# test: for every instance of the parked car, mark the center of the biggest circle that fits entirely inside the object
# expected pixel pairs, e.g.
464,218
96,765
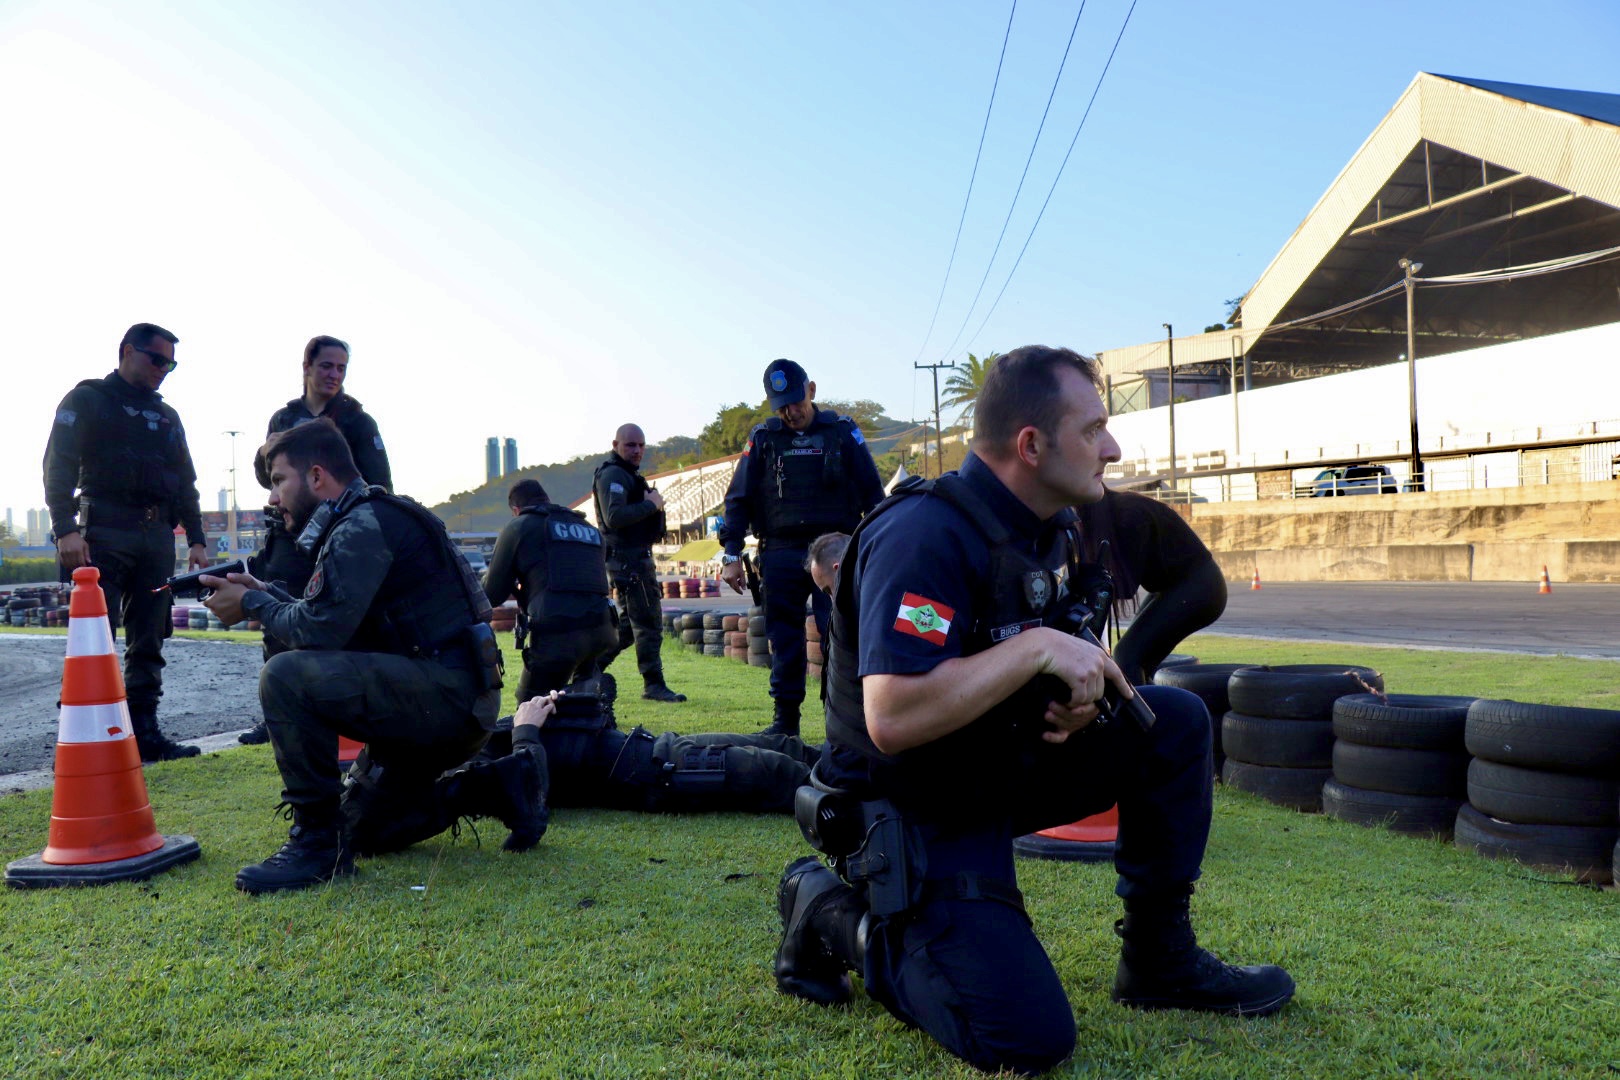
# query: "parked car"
1354,480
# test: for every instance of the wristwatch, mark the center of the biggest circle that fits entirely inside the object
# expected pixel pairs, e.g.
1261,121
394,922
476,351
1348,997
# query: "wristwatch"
727,560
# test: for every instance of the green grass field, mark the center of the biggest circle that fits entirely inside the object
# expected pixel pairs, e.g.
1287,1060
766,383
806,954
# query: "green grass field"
633,945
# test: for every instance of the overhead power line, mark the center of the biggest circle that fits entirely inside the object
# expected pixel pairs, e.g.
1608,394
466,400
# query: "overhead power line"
1019,190
1078,128
971,178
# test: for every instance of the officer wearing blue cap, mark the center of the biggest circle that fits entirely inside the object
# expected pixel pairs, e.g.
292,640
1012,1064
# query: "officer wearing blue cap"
804,472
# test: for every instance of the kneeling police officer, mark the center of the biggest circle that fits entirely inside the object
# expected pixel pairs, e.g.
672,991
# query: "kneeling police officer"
962,712
391,646
553,561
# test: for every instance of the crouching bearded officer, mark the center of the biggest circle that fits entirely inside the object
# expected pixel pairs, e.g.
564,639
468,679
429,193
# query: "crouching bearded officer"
963,712
391,646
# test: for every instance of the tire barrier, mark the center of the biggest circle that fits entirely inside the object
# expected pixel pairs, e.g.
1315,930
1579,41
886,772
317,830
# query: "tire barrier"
1399,761
1208,681
1280,746
1544,786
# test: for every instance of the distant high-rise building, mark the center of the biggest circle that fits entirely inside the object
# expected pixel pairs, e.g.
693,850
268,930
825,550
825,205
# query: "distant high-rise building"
224,500
509,464
11,526
32,538
492,459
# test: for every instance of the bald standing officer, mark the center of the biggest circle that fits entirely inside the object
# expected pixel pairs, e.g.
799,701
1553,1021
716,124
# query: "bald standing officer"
630,513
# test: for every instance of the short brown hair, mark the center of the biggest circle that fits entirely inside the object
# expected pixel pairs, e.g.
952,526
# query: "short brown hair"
314,442
526,492
1021,390
826,549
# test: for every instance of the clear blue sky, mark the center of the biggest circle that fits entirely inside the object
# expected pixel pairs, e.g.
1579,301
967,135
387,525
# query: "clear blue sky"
542,220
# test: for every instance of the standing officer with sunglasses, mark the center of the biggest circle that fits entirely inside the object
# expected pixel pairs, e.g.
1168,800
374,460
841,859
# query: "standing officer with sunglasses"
123,450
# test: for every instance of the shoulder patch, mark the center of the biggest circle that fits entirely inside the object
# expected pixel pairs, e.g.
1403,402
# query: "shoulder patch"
66,417
924,618
615,487
855,433
377,441
316,581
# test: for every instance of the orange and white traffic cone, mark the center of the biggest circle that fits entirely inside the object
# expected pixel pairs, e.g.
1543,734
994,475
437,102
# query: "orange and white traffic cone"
1254,586
1546,582
1090,839
101,820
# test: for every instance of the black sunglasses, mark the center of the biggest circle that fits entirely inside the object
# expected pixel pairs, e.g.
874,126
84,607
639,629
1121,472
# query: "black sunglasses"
157,359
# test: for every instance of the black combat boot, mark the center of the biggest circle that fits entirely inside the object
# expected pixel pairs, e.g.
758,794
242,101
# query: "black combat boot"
655,690
315,853
150,740
824,927
512,789
1162,967
784,719
257,735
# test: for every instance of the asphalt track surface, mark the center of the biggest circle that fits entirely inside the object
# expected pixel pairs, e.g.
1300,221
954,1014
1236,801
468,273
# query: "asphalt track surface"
211,688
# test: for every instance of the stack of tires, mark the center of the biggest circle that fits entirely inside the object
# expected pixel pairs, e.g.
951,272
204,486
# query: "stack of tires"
180,616
815,655
1544,787
671,589
198,618
759,647
1278,734
1208,681
714,634
504,618
1398,760
736,637
18,607
691,627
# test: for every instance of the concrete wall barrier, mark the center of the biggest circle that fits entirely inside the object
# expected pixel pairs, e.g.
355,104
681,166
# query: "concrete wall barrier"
1565,560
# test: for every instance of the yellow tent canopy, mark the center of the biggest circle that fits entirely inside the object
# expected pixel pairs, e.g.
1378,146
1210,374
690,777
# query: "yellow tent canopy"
697,551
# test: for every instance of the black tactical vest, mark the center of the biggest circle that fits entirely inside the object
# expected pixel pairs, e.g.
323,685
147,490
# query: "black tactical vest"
644,533
803,483
131,453
575,556
430,596
1018,594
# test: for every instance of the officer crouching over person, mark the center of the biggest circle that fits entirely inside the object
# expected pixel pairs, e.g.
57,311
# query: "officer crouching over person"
552,560
804,472
962,712
391,646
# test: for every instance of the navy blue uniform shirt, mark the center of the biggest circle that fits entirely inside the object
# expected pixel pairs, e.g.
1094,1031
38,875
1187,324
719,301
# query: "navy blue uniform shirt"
922,578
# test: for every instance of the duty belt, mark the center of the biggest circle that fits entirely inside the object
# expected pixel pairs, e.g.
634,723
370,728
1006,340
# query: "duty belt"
113,513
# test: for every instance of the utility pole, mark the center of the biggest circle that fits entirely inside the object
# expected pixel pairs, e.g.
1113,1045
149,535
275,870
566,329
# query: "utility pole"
939,432
235,537
1410,268
1170,368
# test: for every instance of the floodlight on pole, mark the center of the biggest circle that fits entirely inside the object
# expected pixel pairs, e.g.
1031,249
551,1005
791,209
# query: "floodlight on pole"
1409,269
235,546
1170,369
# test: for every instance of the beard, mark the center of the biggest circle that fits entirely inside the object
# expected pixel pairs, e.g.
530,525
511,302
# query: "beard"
297,508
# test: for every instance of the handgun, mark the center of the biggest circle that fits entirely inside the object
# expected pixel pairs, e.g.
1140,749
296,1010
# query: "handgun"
753,580
190,583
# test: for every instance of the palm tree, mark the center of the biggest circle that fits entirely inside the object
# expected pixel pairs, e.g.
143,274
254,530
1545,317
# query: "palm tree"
962,388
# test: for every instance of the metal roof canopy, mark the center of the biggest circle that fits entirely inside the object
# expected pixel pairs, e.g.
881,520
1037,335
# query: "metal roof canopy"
1462,175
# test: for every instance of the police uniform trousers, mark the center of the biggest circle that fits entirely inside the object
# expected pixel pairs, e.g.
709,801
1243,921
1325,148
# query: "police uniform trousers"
416,717
134,561
673,773
971,972
787,586
560,651
641,616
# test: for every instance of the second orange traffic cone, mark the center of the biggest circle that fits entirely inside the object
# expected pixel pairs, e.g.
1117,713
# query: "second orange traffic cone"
1255,584
101,820
1091,839
1546,582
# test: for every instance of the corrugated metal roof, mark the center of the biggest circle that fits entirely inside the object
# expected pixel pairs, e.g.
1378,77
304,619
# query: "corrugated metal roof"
1587,103
1566,138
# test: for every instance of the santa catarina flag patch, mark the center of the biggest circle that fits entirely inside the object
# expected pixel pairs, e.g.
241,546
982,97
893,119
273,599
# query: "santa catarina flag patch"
924,618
